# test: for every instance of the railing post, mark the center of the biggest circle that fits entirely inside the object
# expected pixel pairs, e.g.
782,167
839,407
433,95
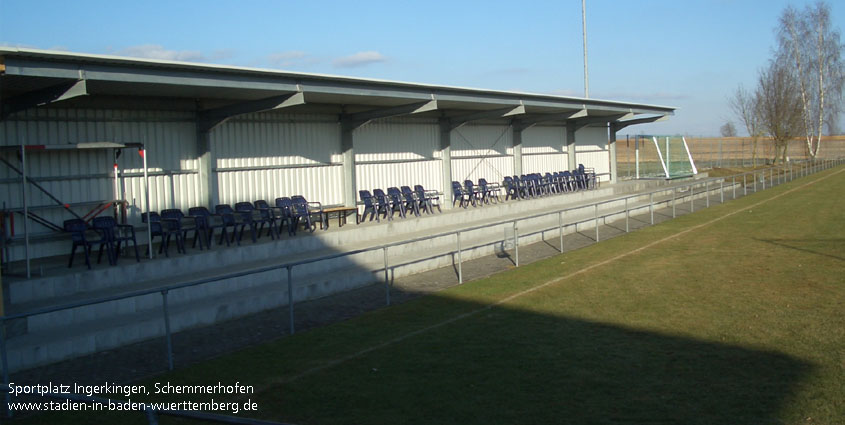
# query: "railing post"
673,202
290,298
167,330
386,277
745,184
596,209
651,206
707,193
516,243
626,216
692,198
460,261
722,191
733,186
560,228
754,177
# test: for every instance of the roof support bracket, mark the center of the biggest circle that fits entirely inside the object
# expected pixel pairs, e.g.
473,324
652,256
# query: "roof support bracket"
210,118
43,97
619,125
604,119
531,120
358,119
484,115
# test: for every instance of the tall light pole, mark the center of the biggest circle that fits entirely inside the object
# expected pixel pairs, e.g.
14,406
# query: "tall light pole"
584,27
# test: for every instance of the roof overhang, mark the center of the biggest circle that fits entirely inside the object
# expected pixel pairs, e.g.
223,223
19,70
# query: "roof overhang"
203,87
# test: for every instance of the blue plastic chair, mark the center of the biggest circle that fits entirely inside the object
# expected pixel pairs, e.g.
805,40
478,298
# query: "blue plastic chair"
411,202
285,206
77,229
171,224
227,215
369,205
382,204
203,218
427,199
307,212
473,192
116,234
459,196
489,193
396,201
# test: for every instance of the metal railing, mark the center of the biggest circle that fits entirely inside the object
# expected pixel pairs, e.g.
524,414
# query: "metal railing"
784,173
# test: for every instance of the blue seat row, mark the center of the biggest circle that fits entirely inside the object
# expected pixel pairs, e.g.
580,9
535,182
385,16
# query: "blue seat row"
536,185
401,200
174,225
475,195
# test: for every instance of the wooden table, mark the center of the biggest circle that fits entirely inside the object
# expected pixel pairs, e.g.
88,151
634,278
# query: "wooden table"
341,212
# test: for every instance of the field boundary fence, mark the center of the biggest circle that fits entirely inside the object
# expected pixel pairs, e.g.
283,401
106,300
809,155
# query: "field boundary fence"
729,152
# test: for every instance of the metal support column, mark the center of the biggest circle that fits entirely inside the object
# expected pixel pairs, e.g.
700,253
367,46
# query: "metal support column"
517,147
24,193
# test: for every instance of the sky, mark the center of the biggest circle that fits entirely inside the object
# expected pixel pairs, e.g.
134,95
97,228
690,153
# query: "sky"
688,54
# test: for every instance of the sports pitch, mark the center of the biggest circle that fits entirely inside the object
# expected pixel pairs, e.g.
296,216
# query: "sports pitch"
731,315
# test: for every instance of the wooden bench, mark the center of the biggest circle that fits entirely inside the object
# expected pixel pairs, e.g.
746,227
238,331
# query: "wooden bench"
342,213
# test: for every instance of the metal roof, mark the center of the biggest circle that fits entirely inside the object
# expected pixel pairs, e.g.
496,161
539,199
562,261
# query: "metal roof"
33,73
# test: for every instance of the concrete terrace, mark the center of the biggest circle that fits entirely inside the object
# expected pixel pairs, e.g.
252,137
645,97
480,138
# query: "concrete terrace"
45,338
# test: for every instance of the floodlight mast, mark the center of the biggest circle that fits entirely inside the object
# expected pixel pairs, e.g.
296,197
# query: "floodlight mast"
584,31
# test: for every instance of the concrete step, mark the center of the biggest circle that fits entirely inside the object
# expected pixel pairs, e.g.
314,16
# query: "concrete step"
50,337
145,319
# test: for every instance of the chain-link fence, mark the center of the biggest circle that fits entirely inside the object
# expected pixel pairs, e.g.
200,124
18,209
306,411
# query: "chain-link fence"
727,152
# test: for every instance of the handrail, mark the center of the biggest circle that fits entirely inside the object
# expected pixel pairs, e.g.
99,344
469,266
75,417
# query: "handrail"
285,265
821,165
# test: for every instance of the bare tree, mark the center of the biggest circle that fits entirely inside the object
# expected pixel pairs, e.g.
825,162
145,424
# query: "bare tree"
744,105
809,42
728,129
778,105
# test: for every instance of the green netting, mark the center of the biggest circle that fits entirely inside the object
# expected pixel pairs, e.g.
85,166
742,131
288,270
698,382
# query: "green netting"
678,162
663,157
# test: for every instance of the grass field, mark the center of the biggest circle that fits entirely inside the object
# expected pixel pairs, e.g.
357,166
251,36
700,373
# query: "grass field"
732,315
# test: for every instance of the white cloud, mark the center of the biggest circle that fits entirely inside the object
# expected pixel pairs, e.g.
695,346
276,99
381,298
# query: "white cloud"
359,59
291,58
155,51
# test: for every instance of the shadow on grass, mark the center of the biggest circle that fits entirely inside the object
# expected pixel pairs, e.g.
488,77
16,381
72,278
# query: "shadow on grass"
803,245
503,365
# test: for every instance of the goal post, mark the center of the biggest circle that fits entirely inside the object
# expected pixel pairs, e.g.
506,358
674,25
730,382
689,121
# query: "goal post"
663,157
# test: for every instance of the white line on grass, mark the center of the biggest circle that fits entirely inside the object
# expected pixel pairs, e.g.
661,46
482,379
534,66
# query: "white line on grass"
454,319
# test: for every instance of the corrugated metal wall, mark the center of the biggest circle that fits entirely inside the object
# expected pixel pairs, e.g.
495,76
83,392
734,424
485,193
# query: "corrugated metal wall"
482,151
591,150
544,149
398,152
269,155
258,156
85,176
